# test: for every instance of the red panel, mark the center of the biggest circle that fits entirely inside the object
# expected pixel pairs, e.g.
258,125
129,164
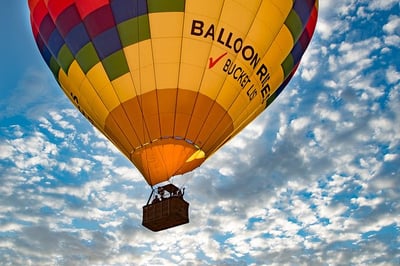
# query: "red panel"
56,7
86,7
39,12
32,4
35,30
312,21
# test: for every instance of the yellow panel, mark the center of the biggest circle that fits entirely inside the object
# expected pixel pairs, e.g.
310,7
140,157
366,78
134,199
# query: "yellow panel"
147,79
123,87
233,10
194,58
167,75
190,77
281,46
227,95
139,55
98,79
284,6
167,50
75,73
251,6
92,104
166,24
210,7
140,61
108,96
166,32
63,79
145,53
132,58
211,84
238,106
266,26
98,76
166,61
195,52
215,77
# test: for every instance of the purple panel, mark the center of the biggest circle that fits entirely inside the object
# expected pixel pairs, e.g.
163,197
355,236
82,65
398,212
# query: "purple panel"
46,27
99,21
67,20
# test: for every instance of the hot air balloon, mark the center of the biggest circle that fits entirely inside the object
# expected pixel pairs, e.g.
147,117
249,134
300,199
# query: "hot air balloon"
171,81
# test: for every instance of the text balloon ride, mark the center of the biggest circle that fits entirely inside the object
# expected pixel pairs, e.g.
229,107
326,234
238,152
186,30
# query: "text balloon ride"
170,81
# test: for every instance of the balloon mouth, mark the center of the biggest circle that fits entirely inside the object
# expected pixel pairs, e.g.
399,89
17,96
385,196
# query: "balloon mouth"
177,138
163,158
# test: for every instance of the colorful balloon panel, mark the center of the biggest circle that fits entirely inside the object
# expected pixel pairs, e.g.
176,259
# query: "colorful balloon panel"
170,81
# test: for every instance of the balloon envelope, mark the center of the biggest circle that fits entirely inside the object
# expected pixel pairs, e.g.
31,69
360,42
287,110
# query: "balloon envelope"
170,81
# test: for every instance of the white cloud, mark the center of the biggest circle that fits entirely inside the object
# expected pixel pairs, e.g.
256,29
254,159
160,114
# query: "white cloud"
393,25
300,123
392,75
382,5
6,151
390,157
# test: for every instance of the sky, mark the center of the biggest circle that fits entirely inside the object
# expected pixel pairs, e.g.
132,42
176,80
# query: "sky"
314,180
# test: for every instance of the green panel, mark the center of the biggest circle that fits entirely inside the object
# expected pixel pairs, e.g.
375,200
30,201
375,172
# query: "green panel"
294,24
134,30
54,66
65,58
115,65
287,65
166,6
87,57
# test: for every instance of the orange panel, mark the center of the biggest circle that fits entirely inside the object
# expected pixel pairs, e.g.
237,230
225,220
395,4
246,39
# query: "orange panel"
184,108
166,103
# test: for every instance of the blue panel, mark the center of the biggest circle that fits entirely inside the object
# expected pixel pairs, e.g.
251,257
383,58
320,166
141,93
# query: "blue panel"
77,38
297,53
303,9
127,9
107,43
46,54
55,43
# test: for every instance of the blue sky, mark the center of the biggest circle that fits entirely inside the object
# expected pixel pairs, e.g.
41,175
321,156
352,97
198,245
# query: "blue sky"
313,181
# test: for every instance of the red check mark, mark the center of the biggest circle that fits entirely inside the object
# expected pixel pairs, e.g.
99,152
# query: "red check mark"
214,62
